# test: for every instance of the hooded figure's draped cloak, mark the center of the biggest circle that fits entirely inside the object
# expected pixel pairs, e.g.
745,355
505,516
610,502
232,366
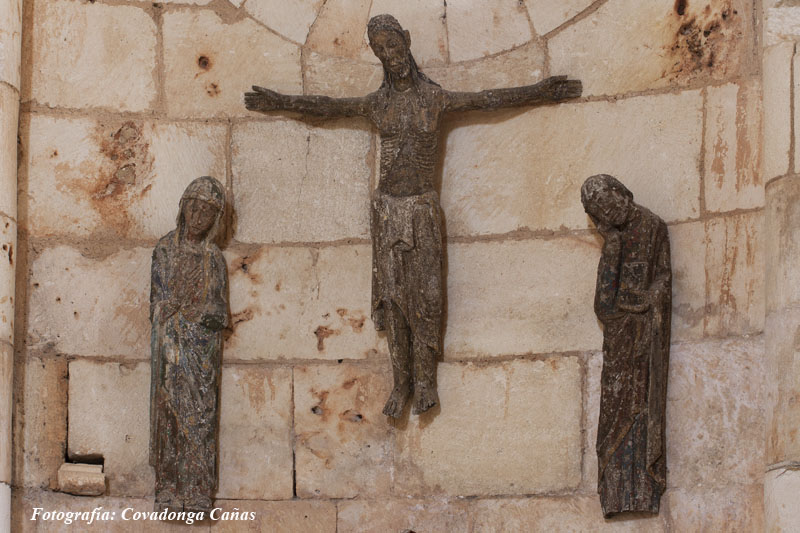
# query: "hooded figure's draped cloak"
630,439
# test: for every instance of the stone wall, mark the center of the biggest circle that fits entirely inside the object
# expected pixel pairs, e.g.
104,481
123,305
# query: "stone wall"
10,46
125,102
780,61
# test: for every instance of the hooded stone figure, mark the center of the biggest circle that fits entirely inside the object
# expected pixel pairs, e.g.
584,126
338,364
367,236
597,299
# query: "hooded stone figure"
188,310
633,302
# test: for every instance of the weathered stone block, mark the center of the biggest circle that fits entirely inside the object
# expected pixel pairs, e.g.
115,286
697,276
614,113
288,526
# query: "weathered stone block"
210,64
290,19
81,479
425,21
781,488
5,503
402,515
510,428
781,24
279,517
795,90
591,408
341,29
114,178
301,303
255,445
521,66
480,28
524,170
634,45
733,149
93,55
782,332
109,417
343,441
777,80
10,42
8,266
735,275
6,382
782,244
547,16
255,415
727,510
516,297
9,115
570,513
715,414
42,440
688,250
320,171
340,77
90,306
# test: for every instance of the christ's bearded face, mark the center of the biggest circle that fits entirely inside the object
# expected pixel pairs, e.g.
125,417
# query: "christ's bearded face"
393,51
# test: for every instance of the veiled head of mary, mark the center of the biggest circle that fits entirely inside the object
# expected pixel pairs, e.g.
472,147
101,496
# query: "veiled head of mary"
201,209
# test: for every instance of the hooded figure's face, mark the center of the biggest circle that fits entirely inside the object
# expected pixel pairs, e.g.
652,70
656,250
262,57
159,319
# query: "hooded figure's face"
392,49
610,207
199,217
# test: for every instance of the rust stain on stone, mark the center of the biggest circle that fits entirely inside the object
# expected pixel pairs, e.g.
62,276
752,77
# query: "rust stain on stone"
212,90
352,416
319,454
356,322
718,163
253,385
748,154
727,298
241,316
705,42
322,333
320,408
125,162
244,265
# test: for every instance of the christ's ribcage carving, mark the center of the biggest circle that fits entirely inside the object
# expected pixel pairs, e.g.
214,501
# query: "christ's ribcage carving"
408,160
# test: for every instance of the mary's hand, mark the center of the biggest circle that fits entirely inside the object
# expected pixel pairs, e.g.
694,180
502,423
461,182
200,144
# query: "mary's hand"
212,321
261,99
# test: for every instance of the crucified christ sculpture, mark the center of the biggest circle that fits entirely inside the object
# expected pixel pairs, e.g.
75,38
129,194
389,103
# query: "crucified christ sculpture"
406,223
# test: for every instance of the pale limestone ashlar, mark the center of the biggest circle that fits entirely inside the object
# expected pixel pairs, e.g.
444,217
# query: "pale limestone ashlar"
81,479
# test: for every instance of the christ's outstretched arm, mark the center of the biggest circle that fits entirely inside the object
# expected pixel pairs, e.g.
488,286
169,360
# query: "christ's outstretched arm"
554,89
265,100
